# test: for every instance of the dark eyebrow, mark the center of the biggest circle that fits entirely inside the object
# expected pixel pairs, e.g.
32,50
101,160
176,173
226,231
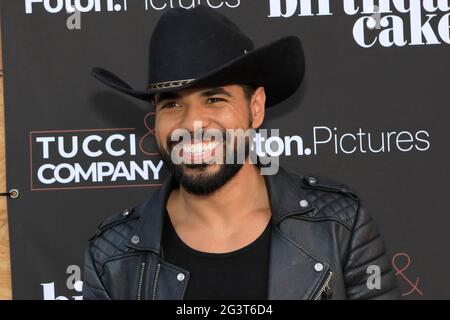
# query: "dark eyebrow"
206,93
216,90
166,96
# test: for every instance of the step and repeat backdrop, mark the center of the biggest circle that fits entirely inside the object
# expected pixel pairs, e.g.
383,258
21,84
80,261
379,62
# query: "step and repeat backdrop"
373,113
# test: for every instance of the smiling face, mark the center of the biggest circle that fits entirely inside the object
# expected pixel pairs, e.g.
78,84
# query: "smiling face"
194,110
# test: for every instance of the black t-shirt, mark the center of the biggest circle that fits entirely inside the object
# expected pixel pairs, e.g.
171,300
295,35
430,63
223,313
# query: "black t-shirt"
239,274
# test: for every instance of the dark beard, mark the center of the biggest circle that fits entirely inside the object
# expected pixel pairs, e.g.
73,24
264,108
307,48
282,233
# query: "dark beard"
202,183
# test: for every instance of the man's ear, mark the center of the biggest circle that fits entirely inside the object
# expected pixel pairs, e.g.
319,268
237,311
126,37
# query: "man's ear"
258,107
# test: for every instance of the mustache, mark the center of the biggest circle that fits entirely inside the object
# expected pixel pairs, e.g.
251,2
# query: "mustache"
234,146
171,142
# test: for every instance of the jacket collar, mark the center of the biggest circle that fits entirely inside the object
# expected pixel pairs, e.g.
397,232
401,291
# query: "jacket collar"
285,195
294,273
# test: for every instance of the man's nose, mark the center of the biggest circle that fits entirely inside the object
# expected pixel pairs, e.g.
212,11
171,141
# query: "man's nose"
195,118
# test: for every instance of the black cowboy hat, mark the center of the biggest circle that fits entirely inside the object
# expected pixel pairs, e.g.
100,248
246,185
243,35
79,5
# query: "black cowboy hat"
201,47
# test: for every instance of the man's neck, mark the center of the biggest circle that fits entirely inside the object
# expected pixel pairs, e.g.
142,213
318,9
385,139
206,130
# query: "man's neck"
243,196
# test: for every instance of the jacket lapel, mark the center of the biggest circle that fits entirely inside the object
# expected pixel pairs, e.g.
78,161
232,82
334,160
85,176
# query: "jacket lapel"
292,273
292,270
170,282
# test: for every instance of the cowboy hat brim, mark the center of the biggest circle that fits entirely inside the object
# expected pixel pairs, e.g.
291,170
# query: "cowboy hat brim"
278,66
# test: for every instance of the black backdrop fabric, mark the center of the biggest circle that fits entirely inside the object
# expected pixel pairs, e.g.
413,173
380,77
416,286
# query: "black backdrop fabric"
373,113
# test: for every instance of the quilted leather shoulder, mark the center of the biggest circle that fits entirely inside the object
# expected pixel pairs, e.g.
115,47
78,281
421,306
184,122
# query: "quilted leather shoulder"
332,200
112,236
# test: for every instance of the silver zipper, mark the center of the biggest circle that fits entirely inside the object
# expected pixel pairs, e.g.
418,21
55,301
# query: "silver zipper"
324,287
141,280
155,283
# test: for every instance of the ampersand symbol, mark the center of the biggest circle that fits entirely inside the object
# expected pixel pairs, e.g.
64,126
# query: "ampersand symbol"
400,270
150,135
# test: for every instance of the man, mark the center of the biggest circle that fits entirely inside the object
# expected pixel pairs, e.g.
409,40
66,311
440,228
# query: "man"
221,230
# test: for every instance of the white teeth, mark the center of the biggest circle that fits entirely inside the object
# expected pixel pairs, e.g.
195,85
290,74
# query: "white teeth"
199,148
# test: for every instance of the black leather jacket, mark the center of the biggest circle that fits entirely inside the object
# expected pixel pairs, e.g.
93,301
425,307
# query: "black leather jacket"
322,244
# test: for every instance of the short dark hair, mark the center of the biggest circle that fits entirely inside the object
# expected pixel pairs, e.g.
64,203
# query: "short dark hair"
249,90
